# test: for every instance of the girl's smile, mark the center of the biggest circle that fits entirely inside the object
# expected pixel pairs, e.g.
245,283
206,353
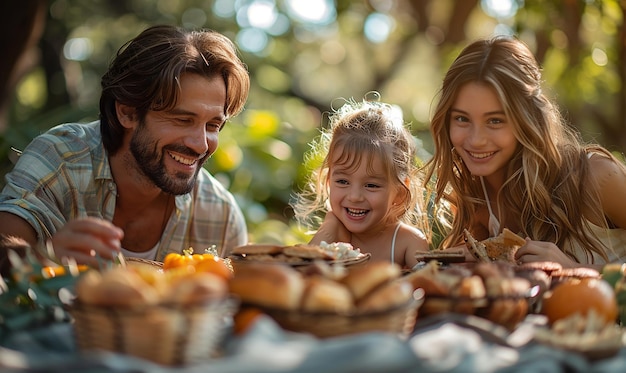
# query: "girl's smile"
361,195
356,213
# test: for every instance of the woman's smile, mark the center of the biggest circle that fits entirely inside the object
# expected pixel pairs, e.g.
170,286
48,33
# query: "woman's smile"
481,155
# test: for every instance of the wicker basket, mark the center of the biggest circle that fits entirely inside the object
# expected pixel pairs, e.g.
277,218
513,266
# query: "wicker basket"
507,311
398,320
139,261
165,334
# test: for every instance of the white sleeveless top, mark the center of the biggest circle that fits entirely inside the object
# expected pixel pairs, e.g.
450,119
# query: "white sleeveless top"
494,223
393,244
613,239
149,255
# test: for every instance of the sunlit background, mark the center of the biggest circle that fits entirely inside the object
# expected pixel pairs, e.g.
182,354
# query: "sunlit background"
305,56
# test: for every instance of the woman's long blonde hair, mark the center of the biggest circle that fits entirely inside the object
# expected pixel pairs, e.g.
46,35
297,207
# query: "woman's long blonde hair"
547,185
362,131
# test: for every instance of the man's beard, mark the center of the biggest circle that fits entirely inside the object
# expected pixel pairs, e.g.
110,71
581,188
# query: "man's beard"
151,163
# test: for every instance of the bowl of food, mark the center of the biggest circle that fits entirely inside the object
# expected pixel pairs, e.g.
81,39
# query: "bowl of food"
169,317
330,301
490,290
300,255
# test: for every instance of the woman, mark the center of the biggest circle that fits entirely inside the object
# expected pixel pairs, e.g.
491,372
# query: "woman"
505,158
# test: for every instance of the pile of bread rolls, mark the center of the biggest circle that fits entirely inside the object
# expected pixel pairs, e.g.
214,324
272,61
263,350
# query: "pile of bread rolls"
135,286
362,289
172,317
488,289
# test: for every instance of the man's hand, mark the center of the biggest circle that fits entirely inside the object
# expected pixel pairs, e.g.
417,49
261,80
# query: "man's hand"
87,239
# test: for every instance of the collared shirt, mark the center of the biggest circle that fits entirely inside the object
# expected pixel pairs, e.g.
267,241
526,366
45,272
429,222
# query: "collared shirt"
64,174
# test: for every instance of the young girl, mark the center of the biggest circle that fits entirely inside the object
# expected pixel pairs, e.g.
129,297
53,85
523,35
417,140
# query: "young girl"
366,187
504,157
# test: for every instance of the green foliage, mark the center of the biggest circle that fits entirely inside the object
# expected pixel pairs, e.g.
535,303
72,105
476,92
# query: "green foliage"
304,67
28,299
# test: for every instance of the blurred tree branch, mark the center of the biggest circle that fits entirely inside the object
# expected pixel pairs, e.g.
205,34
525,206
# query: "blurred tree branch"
20,30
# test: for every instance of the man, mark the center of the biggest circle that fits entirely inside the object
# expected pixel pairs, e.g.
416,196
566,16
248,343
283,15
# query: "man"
133,181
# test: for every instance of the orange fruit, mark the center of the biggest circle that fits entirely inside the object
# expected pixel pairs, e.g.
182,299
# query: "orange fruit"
581,296
204,256
216,266
244,318
54,271
176,260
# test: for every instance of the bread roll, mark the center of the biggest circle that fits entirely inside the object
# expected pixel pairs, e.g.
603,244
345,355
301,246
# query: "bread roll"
444,282
463,296
325,295
152,275
430,285
493,269
270,285
363,279
119,286
88,281
508,304
390,295
322,268
454,289
196,288
435,291
564,274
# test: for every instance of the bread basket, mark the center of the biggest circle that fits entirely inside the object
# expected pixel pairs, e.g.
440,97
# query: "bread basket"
139,261
504,310
165,334
398,320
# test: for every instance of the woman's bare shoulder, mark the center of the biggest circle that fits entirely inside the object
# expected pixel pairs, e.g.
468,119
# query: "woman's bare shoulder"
610,177
608,172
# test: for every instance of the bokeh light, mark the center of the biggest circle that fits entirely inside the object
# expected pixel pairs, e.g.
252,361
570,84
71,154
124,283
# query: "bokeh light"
224,8
599,57
377,27
318,12
194,18
252,40
262,14
78,49
501,8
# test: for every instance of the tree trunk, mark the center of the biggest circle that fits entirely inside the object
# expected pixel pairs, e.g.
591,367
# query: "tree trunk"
21,26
